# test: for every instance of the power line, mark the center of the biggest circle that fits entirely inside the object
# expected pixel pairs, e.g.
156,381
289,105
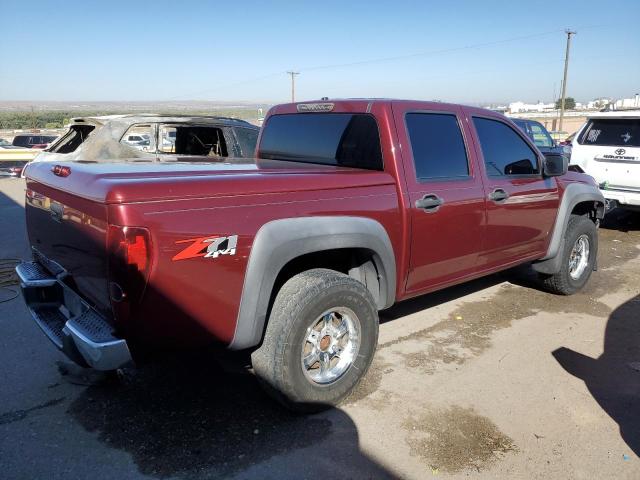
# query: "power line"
379,60
431,52
229,85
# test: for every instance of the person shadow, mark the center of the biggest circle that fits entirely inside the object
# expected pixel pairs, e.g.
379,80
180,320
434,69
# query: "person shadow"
614,378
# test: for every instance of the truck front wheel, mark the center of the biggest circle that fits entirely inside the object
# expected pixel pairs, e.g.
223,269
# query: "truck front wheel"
319,342
578,257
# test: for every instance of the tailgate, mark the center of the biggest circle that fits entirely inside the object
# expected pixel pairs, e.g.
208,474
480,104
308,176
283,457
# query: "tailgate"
70,232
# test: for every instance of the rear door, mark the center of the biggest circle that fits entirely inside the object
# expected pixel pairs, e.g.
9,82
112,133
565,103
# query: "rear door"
521,204
446,195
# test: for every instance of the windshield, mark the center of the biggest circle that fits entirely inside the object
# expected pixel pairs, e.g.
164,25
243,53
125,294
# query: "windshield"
614,132
344,139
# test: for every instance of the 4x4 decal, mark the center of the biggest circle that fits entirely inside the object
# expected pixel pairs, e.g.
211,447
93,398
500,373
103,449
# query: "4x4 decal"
208,247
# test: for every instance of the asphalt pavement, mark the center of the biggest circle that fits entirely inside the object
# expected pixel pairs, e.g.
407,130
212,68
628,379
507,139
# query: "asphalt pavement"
491,379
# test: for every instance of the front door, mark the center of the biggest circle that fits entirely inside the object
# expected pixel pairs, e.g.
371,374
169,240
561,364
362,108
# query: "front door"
446,195
521,203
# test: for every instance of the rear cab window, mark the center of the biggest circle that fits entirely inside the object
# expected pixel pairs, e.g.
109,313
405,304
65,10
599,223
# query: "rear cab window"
504,151
437,145
22,141
612,132
341,139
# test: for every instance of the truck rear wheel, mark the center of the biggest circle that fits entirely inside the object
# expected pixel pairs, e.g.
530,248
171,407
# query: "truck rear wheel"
320,340
578,257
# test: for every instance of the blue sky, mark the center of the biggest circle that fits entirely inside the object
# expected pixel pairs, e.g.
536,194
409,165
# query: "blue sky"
165,50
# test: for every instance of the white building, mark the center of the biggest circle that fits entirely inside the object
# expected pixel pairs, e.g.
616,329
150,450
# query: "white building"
633,102
518,107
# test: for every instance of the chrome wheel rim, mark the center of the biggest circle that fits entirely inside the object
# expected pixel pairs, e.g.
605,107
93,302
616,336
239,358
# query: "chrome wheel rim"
330,345
579,257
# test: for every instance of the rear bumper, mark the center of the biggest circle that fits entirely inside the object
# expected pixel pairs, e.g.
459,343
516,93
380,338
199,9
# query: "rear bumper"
69,322
624,198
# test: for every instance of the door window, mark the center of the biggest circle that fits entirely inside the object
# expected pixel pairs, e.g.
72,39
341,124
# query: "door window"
247,139
541,137
195,140
505,152
140,137
437,146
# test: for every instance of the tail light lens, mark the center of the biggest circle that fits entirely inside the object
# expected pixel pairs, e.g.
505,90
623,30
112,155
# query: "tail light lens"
61,171
129,251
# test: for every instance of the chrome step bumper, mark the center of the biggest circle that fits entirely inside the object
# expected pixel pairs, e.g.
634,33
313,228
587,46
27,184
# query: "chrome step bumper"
69,322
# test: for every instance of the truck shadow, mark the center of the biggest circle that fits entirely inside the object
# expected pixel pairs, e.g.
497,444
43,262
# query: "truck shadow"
621,220
192,415
424,302
197,414
614,378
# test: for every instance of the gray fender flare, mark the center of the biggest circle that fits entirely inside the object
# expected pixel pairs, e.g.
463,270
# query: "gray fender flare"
280,241
574,194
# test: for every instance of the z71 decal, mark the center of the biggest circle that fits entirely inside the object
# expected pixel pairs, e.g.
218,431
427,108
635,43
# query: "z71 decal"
208,247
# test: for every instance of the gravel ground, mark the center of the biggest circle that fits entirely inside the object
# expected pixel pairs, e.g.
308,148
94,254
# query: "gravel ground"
491,379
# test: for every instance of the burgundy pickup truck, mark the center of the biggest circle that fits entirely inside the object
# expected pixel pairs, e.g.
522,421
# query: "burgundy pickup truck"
349,207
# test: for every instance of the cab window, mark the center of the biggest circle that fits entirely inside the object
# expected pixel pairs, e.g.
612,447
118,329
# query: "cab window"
437,146
505,153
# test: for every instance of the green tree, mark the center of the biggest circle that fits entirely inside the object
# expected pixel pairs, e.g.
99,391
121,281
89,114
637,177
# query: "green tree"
569,103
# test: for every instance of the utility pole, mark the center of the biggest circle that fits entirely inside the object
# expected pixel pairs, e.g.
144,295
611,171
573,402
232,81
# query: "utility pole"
564,78
293,85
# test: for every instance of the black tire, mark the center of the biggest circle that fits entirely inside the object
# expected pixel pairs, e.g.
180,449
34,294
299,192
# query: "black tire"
299,303
562,282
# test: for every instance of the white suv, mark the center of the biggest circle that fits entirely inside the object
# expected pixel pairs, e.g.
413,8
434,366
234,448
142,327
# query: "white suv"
607,147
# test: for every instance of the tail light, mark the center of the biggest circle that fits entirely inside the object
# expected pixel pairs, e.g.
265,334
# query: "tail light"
61,171
129,251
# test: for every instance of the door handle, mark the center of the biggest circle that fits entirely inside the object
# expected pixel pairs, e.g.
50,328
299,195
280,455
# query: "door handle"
429,203
498,195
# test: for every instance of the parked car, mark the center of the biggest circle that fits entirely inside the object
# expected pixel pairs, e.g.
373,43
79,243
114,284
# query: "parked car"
33,140
136,136
539,135
141,142
607,147
349,207
13,158
566,144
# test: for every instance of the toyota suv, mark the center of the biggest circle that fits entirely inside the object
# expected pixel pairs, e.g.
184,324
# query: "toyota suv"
607,147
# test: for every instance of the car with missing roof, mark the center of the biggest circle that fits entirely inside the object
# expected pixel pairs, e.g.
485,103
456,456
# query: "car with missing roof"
607,147
349,207
143,136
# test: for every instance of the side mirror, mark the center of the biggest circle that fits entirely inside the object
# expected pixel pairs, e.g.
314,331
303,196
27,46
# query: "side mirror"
555,164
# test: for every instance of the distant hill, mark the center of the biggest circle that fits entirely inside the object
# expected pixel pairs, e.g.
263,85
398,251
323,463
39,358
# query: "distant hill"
30,115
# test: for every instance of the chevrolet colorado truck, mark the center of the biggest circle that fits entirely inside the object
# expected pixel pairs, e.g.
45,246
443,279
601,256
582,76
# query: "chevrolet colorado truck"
348,207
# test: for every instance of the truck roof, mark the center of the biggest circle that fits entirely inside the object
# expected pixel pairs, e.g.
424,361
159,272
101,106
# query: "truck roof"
616,114
156,117
367,104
